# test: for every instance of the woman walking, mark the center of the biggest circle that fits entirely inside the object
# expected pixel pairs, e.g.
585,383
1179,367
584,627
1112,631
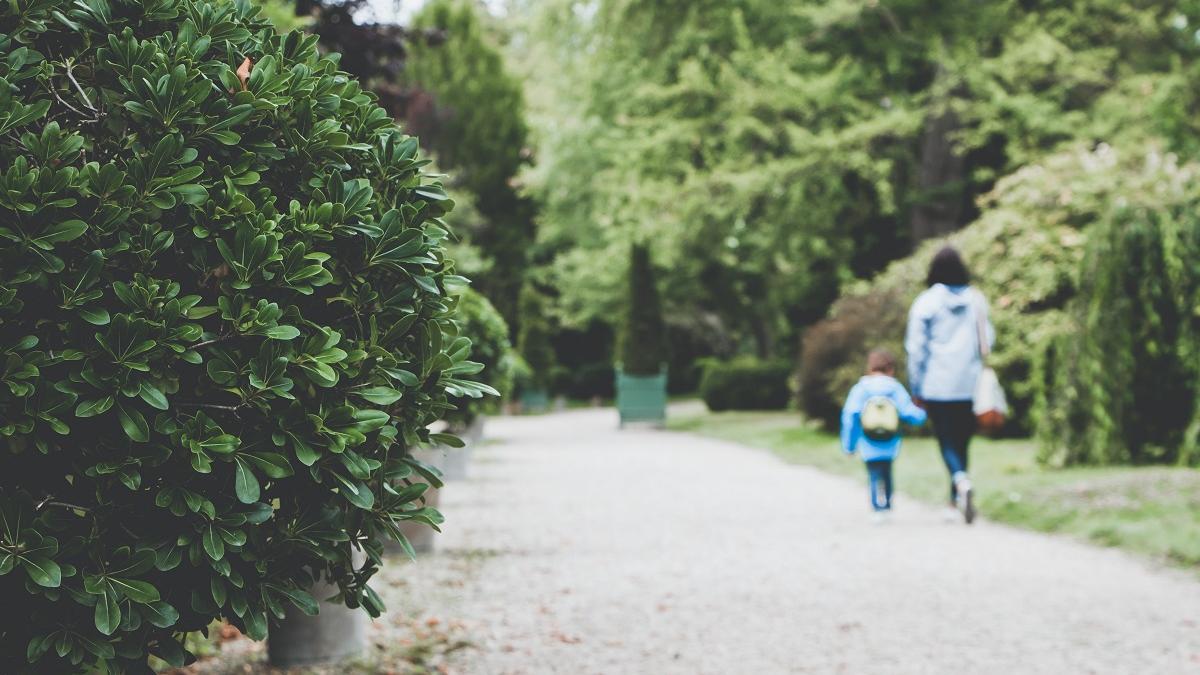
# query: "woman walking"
944,363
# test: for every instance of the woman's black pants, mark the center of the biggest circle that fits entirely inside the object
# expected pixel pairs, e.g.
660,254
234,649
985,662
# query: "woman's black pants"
953,424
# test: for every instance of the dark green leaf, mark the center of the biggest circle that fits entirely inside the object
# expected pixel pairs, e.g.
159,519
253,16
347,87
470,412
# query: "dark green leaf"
97,316
214,546
108,613
448,440
380,395
133,423
160,614
93,407
135,590
283,332
42,571
245,485
153,396
272,464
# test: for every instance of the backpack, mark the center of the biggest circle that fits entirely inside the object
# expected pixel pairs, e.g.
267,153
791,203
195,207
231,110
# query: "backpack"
880,419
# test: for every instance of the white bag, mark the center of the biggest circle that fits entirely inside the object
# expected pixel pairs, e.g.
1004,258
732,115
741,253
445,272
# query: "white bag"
989,395
990,404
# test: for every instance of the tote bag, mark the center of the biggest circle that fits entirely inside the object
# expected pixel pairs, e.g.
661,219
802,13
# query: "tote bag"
990,406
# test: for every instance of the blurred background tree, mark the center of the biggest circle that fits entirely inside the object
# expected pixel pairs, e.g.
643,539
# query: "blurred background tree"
469,111
790,167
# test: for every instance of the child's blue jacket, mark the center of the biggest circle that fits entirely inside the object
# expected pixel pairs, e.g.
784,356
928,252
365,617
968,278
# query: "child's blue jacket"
870,386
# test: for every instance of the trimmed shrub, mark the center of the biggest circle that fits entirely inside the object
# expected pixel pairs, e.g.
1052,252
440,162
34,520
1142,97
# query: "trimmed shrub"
745,384
479,322
533,342
643,340
224,324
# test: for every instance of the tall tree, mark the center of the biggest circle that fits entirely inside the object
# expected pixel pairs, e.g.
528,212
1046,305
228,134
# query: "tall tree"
469,110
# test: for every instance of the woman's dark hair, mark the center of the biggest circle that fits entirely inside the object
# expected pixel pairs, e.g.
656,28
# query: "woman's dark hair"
948,268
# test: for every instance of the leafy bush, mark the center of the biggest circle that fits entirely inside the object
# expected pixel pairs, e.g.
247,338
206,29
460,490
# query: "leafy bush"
479,321
224,323
643,338
1122,386
745,384
834,352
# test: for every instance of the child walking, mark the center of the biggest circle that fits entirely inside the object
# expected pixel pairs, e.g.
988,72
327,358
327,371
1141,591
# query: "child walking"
871,419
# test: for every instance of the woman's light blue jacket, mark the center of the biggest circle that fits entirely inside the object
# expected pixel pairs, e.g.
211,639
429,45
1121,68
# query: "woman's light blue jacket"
942,342
868,387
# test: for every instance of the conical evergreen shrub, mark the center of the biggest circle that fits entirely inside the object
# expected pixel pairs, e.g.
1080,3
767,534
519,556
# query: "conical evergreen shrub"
533,340
643,346
223,323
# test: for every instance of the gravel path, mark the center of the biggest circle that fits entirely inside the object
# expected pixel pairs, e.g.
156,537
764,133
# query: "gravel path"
576,548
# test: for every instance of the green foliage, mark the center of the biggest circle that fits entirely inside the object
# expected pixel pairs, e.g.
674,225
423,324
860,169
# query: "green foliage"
533,342
1027,254
774,152
643,340
1024,253
479,321
470,111
745,384
1122,386
224,323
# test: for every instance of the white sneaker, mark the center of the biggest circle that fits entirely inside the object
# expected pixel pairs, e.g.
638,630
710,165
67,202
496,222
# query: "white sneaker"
966,498
951,515
881,517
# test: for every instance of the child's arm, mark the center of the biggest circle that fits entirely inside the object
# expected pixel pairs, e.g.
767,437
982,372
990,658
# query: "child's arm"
851,424
910,413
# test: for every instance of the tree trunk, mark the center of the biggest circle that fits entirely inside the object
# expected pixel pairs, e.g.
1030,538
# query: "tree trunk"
763,338
940,178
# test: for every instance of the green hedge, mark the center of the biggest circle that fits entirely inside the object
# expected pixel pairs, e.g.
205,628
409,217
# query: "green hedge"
745,384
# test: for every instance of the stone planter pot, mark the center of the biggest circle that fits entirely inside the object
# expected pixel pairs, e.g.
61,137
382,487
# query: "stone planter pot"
335,634
642,399
456,462
534,401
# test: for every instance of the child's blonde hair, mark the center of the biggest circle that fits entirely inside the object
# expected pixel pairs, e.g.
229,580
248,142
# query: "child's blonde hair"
881,361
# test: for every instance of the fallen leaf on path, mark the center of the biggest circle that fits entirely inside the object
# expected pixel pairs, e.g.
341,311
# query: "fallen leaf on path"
568,639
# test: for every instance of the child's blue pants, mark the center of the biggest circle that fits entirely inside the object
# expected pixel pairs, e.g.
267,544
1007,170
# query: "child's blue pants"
879,474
